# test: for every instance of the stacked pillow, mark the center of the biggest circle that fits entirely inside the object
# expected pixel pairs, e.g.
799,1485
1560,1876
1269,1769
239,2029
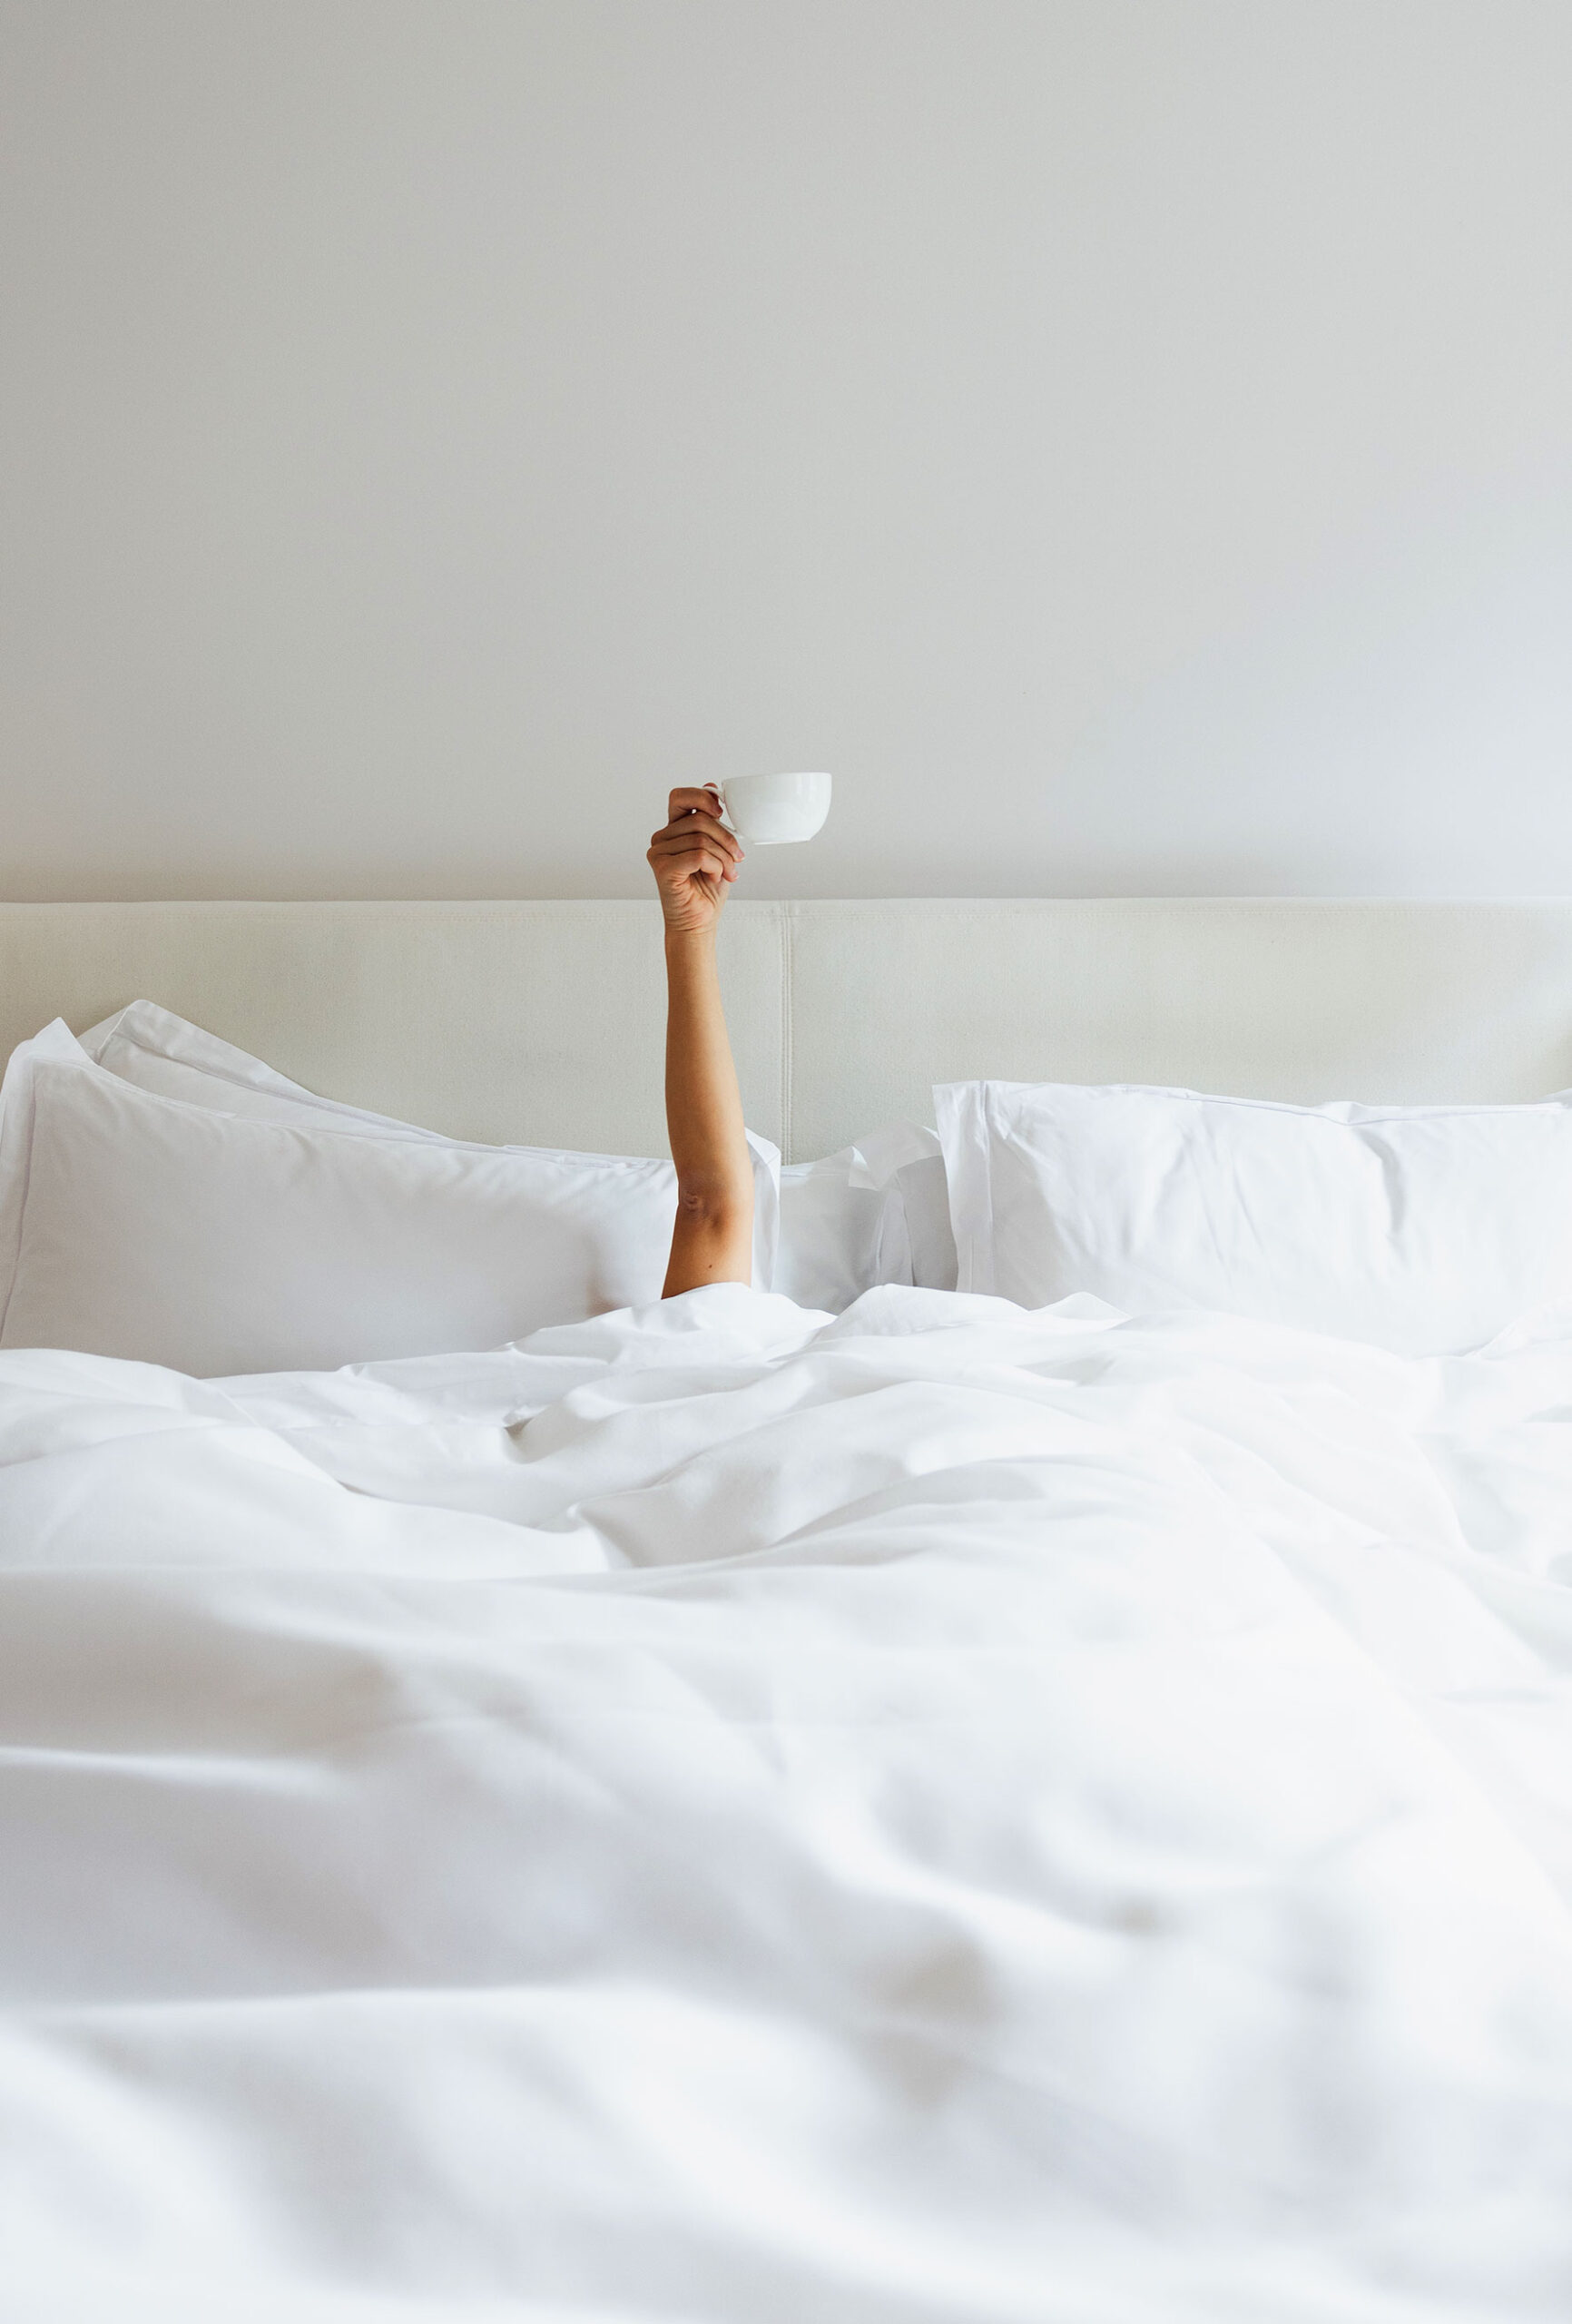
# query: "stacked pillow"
166,1196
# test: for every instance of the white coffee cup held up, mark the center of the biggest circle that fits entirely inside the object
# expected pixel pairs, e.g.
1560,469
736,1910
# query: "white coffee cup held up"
773,809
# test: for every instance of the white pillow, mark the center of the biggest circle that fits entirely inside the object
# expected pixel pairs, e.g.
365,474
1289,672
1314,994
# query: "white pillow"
144,1226
876,1212
1422,1228
160,1051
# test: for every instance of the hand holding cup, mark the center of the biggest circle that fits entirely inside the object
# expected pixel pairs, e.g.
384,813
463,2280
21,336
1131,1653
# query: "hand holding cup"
694,859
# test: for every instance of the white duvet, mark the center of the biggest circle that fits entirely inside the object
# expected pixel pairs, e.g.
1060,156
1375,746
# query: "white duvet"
717,1816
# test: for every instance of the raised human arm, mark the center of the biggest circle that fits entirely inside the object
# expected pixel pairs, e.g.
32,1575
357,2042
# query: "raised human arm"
694,859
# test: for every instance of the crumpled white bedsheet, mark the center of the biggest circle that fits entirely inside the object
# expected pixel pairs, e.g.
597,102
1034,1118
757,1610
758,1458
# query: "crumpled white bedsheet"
715,1816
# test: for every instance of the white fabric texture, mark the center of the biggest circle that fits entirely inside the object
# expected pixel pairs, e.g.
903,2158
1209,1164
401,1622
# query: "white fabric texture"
147,1227
1424,1229
875,1213
160,1051
948,1816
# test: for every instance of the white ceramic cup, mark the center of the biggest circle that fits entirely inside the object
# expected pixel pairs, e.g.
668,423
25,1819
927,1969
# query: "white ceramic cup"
770,810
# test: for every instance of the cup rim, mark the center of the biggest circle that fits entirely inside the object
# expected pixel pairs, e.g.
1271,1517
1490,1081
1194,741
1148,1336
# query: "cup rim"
800,775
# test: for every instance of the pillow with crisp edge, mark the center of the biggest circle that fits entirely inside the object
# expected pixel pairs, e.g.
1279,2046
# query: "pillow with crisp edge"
900,1161
960,1108
62,1052
159,1032
896,1161
57,1044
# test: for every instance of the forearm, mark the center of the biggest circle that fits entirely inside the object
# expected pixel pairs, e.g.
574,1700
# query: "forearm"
713,1238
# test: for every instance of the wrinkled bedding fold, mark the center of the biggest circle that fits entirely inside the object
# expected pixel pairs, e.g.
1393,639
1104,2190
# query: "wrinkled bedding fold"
718,1815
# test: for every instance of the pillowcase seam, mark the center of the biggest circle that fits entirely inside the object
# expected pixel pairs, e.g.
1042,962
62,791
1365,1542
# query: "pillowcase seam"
1557,1101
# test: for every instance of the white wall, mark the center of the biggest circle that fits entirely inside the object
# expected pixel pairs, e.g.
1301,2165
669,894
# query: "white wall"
1129,441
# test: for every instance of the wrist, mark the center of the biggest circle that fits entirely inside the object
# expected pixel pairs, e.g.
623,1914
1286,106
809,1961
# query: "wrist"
689,943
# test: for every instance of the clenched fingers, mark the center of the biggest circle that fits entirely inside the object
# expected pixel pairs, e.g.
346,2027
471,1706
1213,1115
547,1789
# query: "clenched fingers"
690,857
683,801
696,824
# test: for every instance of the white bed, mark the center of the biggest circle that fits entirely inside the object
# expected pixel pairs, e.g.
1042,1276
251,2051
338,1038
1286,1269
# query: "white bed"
947,1814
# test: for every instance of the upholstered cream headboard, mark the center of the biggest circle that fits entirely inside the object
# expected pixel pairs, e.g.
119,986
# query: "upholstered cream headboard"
542,1022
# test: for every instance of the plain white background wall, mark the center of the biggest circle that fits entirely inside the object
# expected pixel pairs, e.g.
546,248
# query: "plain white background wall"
1129,441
